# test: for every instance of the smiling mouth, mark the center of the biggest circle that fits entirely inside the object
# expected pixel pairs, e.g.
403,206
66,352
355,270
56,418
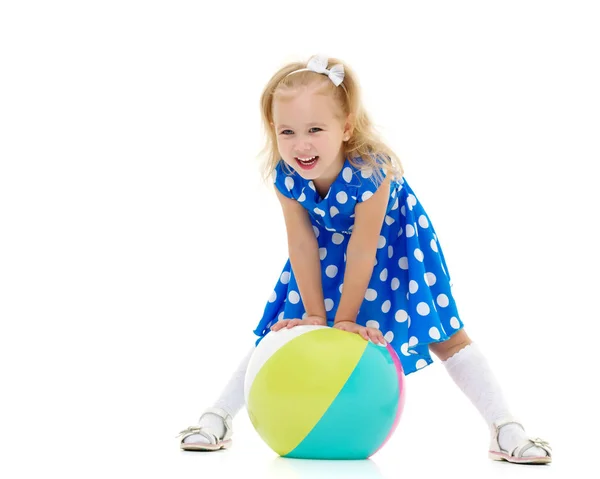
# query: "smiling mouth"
307,162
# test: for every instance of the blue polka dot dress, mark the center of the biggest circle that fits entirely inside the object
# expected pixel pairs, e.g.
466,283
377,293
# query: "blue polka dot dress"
409,295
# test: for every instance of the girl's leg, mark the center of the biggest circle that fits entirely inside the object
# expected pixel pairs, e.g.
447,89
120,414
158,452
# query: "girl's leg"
231,401
469,369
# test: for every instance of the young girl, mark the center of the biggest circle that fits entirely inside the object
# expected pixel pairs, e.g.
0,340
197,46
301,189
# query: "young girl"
363,254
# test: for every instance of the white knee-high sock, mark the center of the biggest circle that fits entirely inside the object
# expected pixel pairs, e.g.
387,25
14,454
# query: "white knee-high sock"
472,374
231,400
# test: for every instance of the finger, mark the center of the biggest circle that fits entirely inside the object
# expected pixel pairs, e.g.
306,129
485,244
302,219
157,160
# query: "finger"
364,333
293,322
376,336
279,324
372,335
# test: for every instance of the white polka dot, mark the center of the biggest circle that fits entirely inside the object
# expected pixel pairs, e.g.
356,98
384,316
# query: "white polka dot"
328,304
370,295
331,270
366,172
421,363
423,223
285,277
403,210
347,174
390,251
411,200
294,297
433,245
337,238
273,297
341,287
304,315
381,242
395,284
454,322
416,229
434,333
423,308
413,286
341,197
395,204
418,254
389,220
383,275
316,230
401,316
289,182
430,279
400,231
372,324
413,341
442,300
403,262
389,336
274,175
404,349
319,211
385,307
333,211
410,231
311,185
322,253
366,195
302,197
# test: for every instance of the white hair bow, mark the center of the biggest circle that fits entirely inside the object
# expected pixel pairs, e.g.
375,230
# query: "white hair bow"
318,64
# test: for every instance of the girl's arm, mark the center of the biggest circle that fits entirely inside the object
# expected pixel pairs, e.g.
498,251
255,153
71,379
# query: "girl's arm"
361,251
304,256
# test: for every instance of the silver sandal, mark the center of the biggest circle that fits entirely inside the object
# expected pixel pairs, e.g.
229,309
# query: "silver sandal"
215,443
496,453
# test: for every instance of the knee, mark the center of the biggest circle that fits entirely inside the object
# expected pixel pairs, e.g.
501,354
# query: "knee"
445,349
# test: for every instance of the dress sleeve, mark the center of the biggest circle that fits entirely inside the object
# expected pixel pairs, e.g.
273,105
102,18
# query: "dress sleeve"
369,183
287,183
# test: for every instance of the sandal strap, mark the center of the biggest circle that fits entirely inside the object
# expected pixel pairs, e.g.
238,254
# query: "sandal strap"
532,442
203,431
496,426
227,420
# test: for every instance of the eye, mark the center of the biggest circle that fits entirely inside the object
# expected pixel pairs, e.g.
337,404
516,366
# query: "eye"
316,128
284,132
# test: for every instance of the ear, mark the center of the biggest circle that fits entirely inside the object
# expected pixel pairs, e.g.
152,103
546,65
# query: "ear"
348,127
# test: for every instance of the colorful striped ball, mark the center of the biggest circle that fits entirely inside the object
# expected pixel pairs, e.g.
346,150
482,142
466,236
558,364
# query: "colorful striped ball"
316,392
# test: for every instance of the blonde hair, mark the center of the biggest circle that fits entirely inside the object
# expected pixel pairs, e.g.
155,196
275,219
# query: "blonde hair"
364,149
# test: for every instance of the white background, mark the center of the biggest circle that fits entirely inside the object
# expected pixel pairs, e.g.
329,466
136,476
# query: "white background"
138,245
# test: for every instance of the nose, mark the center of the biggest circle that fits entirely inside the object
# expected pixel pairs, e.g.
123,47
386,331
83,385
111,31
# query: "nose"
303,146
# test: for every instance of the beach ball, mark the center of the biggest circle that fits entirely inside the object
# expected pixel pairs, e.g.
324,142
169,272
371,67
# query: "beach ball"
315,392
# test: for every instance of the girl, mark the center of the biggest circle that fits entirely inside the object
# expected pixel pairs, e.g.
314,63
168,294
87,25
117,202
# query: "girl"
363,254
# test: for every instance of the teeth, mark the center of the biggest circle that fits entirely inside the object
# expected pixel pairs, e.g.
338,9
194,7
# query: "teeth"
307,159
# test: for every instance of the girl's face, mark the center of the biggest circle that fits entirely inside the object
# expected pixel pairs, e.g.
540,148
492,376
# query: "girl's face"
309,135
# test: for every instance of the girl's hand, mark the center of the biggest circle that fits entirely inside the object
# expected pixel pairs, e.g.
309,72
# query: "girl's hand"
367,333
290,323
